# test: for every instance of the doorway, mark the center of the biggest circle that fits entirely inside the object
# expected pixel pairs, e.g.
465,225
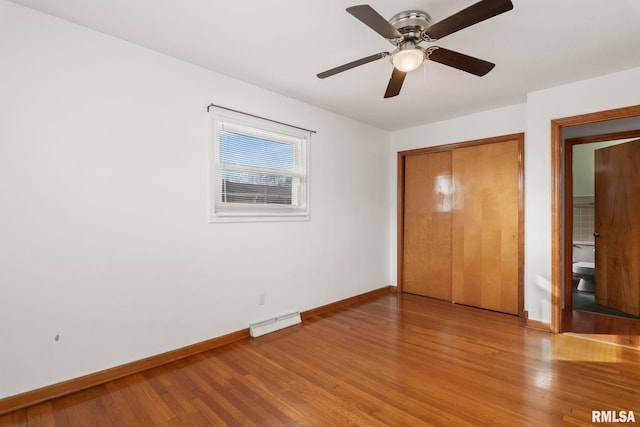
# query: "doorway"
580,219
581,129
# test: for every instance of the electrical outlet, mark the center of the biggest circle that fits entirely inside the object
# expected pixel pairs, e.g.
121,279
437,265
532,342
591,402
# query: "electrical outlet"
261,298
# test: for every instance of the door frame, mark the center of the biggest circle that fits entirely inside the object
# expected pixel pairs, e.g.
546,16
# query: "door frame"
449,147
559,240
569,143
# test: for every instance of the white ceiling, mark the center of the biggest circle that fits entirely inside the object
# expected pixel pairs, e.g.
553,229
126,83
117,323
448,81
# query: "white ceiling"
281,45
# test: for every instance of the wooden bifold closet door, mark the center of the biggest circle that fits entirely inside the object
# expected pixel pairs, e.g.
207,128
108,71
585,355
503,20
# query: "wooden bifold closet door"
427,225
485,226
461,225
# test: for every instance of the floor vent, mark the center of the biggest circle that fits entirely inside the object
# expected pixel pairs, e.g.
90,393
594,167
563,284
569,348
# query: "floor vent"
280,322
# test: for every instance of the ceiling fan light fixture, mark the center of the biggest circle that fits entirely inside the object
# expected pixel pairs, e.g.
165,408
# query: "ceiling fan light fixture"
407,59
407,30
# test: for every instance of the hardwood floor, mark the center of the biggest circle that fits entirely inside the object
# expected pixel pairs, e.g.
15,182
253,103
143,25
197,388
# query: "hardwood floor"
392,360
602,327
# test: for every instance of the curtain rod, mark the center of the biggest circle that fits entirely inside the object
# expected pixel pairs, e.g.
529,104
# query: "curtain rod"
258,117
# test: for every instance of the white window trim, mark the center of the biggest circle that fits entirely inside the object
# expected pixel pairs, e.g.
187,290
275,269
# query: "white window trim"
239,212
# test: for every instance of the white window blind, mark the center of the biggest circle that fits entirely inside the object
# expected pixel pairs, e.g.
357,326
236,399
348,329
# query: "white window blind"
259,169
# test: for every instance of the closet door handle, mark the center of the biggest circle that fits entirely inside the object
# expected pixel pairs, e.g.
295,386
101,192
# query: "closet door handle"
596,234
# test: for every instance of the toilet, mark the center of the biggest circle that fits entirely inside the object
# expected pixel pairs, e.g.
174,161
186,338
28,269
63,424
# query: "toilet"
583,267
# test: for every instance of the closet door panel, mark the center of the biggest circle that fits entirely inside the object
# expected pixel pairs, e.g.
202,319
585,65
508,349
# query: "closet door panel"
485,226
427,225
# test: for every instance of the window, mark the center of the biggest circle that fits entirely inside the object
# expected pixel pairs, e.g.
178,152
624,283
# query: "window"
259,169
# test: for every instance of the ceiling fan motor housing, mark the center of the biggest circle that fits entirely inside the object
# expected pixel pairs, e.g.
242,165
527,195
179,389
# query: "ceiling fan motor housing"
411,24
406,30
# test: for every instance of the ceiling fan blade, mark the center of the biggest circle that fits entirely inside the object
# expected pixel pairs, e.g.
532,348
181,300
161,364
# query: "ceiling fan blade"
395,83
461,61
478,12
368,16
352,64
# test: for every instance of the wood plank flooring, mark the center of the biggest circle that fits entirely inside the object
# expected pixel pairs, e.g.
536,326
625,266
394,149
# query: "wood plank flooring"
602,327
389,361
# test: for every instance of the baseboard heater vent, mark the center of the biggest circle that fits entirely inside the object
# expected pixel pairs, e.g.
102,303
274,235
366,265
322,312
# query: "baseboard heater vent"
275,323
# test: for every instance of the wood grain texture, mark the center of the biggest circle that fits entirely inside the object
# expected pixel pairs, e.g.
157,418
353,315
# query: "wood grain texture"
402,155
567,241
397,359
617,220
557,192
557,248
486,246
569,145
307,314
66,387
32,397
400,221
427,225
611,329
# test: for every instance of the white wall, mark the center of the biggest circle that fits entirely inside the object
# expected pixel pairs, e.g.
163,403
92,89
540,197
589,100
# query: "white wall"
103,224
598,94
103,185
583,162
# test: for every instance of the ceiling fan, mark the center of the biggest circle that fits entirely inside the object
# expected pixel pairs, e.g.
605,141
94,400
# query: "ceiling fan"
408,29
